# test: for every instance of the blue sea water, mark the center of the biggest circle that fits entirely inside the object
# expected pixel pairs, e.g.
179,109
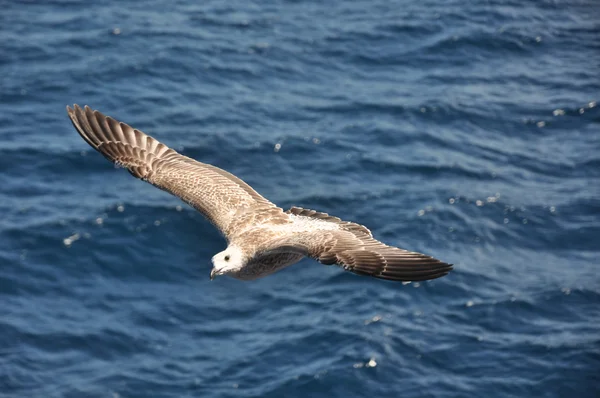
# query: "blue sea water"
466,130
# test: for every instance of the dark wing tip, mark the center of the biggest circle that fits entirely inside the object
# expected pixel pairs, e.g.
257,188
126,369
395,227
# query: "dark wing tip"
74,109
385,262
71,112
81,122
408,270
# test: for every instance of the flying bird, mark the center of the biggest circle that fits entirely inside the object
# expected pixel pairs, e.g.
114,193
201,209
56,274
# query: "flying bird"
261,237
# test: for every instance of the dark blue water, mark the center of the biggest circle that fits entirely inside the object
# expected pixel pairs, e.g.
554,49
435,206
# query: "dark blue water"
467,130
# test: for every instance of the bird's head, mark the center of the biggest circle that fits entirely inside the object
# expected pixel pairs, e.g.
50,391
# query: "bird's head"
229,261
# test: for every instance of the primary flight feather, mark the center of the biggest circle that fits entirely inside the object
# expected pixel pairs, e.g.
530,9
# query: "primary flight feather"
261,237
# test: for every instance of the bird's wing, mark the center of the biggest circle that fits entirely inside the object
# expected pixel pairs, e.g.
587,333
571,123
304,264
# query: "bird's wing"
357,251
217,194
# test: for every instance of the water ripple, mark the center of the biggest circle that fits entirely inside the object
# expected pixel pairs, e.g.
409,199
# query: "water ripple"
466,131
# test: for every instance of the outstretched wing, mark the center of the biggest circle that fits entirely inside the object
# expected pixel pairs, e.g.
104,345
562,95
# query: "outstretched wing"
357,251
217,194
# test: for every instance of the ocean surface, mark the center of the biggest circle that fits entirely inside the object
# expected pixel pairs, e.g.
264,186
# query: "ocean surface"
466,130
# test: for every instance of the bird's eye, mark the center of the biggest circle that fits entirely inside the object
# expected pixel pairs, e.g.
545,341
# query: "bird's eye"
227,257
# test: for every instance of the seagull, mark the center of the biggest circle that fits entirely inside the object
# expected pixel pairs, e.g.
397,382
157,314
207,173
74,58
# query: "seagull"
261,237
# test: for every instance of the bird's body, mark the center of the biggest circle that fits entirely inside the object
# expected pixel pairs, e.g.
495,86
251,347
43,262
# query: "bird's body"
262,238
257,242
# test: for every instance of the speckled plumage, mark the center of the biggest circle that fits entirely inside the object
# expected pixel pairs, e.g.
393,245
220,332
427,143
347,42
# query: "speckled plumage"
268,238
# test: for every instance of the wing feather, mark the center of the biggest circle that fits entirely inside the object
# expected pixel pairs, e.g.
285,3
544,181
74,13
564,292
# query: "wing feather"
217,194
362,254
368,256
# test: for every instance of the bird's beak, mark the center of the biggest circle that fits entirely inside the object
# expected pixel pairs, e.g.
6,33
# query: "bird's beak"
213,273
